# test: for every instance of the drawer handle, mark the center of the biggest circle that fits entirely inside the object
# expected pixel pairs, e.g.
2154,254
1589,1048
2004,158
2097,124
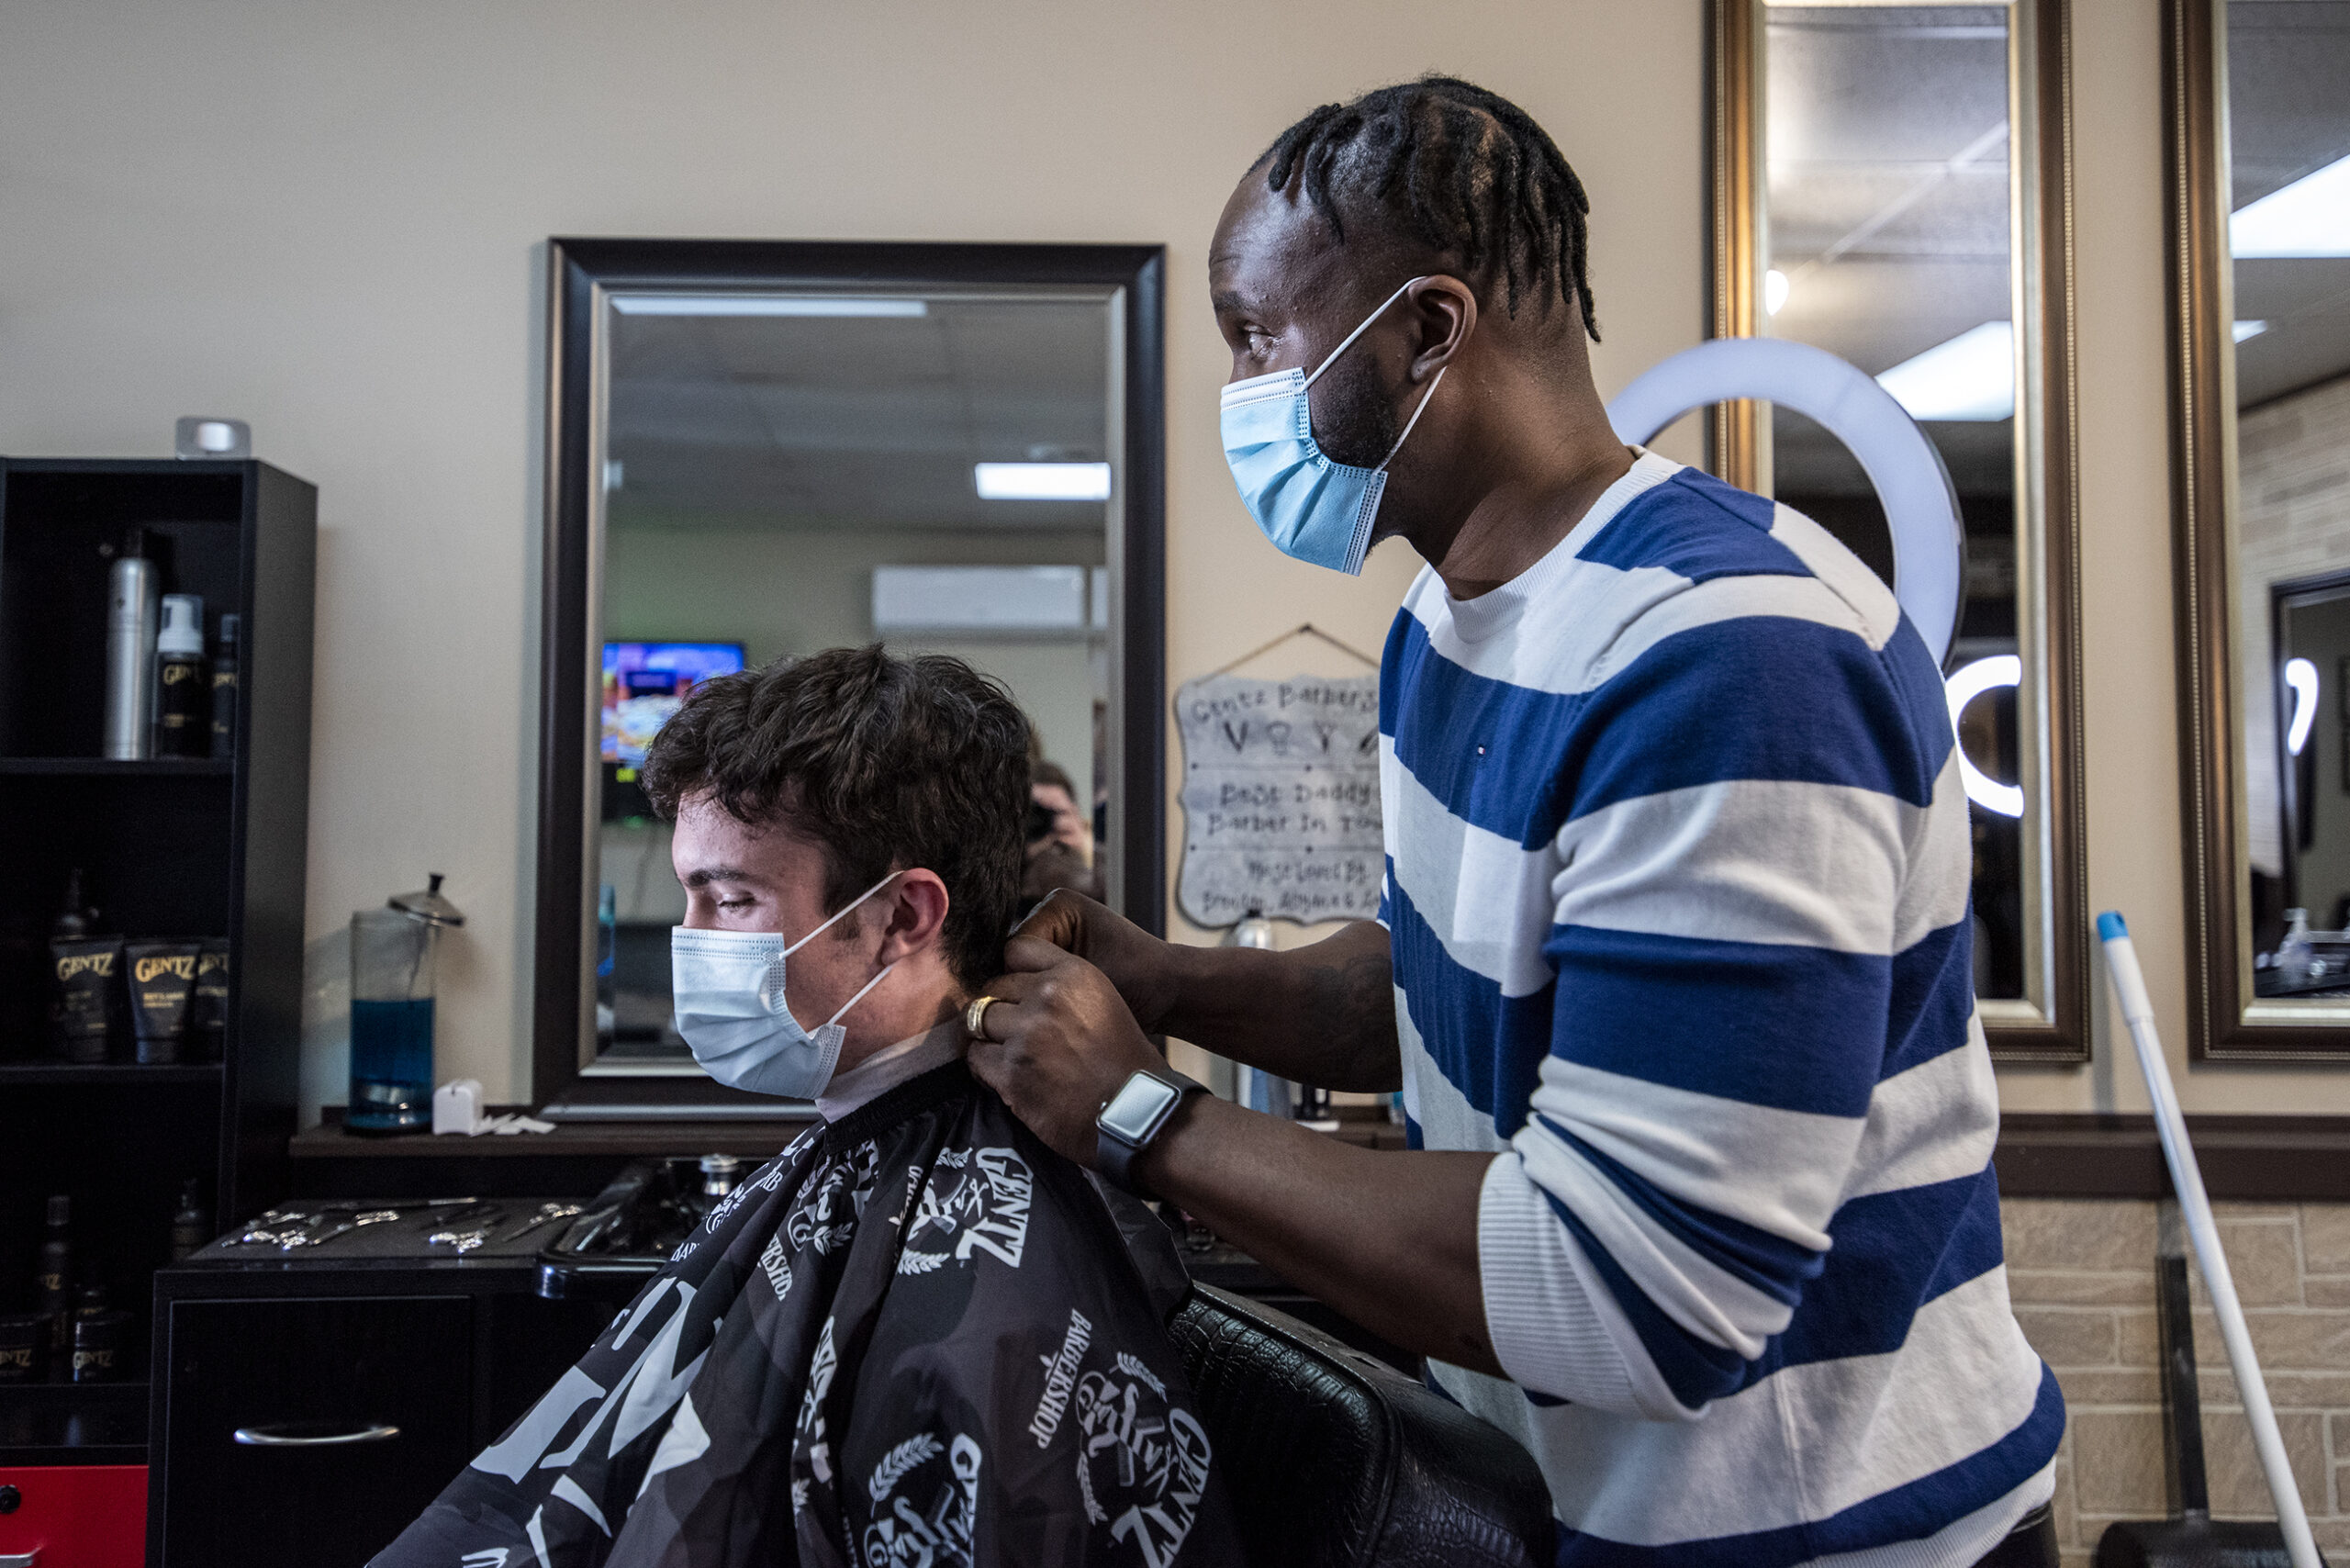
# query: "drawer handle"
314,1434
17,1559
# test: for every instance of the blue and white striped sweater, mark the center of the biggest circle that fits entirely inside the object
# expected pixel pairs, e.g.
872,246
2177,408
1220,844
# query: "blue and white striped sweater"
1678,867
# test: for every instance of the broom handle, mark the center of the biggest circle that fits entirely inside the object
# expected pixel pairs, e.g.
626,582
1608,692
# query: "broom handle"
2203,1231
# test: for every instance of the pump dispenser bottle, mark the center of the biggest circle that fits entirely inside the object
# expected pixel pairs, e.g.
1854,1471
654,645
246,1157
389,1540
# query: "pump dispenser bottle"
183,697
133,589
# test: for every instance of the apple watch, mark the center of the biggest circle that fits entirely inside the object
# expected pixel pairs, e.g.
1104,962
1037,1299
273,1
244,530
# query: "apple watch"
1132,1117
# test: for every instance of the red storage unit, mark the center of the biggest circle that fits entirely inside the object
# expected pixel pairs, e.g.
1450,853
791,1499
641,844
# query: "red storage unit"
78,1515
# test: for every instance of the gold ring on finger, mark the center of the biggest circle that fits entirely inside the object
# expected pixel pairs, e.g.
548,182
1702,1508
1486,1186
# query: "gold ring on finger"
976,1015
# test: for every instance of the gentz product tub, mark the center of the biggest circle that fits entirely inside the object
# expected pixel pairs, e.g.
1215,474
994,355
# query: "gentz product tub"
163,984
208,1008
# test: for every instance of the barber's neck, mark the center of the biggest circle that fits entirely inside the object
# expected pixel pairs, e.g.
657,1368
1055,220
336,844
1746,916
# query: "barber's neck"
1521,462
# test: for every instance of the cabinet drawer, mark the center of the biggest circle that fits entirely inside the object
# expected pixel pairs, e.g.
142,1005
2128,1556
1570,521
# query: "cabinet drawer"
309,1431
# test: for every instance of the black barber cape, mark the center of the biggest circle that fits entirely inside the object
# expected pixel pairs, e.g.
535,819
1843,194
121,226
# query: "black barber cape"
918,1338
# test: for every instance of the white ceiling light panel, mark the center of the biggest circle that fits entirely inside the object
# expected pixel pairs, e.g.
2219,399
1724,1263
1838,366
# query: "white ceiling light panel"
2309,218
1042,481
754,305
1970,376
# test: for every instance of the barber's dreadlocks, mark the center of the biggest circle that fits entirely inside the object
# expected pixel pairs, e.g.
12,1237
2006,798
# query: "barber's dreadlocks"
1462,169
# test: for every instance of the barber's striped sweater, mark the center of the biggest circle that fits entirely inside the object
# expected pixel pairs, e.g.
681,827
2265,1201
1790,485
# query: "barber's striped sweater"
1678,867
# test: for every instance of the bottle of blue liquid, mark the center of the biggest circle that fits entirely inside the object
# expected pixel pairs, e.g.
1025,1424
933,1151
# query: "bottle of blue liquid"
608,915
392,955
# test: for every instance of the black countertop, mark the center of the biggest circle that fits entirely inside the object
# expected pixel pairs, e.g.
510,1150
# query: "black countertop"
578,1157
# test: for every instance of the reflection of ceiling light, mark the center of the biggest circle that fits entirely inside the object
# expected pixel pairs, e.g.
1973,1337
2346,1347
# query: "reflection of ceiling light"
2250,329
1965,684
1972,376
1042,481
765,304
2301,676
615,474
2309,218
1775,291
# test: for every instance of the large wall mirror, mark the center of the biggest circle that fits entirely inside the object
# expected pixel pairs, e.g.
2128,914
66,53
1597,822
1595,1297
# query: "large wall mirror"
2260,140
1890,185
758,451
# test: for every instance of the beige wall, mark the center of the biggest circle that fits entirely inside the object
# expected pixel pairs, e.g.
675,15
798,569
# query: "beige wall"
328,218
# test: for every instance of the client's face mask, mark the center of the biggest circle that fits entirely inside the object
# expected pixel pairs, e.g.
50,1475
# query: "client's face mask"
1310,506
731,1008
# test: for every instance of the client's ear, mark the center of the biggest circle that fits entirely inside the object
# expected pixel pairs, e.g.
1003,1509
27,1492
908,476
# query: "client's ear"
914,912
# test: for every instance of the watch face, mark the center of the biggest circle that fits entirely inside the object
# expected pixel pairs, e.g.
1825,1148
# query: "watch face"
1135,1111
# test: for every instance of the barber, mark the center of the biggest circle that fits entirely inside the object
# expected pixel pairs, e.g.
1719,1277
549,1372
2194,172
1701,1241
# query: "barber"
1673,962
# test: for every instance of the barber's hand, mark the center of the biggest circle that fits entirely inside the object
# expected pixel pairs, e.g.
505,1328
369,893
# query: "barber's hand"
1058,1041
1137,963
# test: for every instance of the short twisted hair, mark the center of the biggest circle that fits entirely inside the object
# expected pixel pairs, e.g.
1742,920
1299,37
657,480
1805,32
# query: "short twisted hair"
1463,171
886,764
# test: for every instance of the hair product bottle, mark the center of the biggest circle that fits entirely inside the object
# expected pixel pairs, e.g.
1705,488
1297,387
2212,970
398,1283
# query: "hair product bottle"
53,1276
86,971
182,695
133,588
224,688
101,1345
1259,1091
191,1226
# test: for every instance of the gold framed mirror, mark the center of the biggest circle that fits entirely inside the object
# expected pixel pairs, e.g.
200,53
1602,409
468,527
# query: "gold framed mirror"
2259,143
1891,182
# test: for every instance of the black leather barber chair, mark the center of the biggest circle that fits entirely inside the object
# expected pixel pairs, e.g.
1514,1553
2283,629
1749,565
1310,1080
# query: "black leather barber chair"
1336,1459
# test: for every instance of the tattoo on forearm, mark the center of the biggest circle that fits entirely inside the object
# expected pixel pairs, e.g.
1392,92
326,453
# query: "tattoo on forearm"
1352,1005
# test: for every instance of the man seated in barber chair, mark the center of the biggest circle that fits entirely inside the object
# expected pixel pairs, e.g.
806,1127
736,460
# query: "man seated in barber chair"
918,1336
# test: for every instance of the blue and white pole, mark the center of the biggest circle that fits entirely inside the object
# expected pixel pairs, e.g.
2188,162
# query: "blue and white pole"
2203,1232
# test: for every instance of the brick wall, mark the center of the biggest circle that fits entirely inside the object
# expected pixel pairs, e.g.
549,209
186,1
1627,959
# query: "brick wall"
2081,1274
2293,468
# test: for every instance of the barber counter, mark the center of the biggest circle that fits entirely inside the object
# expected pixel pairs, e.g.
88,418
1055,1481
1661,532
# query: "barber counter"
324,1368
309,1401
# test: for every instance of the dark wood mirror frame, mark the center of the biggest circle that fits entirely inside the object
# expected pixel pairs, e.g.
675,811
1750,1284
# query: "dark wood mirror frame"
579,270
1736,261
2223,1022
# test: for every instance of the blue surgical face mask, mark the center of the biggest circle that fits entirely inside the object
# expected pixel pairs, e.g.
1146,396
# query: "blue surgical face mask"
1309,508
731,1008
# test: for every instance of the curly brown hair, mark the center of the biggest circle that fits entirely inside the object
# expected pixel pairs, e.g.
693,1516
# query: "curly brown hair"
887,763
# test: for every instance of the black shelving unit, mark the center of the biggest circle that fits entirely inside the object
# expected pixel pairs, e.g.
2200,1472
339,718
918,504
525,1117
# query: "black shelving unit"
202,847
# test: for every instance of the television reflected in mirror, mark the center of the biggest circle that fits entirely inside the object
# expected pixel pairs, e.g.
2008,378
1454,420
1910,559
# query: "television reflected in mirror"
763,450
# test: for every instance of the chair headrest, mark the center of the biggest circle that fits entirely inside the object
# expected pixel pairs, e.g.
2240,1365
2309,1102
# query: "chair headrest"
1336,1459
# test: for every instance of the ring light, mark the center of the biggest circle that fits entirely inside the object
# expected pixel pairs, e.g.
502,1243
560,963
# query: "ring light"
2301,676
1921,507
1965,684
